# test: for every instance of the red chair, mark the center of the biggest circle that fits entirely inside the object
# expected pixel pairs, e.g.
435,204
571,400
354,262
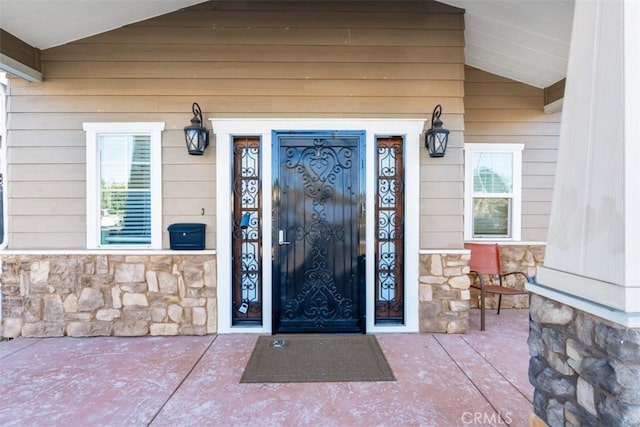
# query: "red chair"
485,260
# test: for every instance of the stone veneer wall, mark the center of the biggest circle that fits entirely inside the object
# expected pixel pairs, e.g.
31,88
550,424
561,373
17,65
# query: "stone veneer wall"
96,295
585,370
444,292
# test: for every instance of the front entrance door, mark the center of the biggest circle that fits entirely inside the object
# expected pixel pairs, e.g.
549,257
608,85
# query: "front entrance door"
318,271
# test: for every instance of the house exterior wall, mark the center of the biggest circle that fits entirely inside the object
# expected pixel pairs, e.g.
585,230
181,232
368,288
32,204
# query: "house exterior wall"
236,59
499,110
253,59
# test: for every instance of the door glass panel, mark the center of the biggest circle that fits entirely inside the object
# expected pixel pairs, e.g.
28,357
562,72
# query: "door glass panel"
247,233
389,231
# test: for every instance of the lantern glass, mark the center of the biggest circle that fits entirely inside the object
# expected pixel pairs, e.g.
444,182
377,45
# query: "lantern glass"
436,137
437,142
196,135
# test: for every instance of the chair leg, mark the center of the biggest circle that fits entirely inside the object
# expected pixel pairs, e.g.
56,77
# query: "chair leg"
482,304
499,302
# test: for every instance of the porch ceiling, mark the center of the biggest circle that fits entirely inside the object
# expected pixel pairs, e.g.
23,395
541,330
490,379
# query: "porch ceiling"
524,40
48,23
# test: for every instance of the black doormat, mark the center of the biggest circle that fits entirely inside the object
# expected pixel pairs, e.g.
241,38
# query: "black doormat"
316,358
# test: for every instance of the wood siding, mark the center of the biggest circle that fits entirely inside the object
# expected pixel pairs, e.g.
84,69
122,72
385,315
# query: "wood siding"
499,110
20,51
236,59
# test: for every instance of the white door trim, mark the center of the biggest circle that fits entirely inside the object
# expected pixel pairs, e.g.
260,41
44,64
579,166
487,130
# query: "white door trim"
225,129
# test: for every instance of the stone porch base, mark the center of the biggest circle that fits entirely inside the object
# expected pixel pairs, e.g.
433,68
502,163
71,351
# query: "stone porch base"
89,294
585,370
101,295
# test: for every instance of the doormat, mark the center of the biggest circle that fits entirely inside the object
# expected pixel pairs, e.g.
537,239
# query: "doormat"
317,358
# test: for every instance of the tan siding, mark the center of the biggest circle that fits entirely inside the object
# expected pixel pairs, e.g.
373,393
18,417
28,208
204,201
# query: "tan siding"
265,53
238,104
38,224
19,51
46,172
188,189
439,240
236,59
257,87
537,207
338,19
193,172
63,189
536,141
554,92
441,191
191,207
503,111
47,240
441,207
535,170
439,224
26,155
48,138
60,207
251,70
503,102
283,36
545,182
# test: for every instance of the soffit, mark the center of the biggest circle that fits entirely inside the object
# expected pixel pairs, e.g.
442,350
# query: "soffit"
48,23
524,40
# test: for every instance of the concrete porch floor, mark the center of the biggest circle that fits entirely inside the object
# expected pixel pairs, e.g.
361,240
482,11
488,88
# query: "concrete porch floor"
442,380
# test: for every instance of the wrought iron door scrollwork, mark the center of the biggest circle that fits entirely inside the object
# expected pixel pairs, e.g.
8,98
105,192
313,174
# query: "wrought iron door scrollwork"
389,231
319,168
247,234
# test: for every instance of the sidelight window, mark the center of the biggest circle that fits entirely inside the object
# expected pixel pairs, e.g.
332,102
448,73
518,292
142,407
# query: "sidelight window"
247,232
389,230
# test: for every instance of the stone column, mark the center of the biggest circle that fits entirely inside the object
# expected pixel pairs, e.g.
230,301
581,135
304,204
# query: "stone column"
585,318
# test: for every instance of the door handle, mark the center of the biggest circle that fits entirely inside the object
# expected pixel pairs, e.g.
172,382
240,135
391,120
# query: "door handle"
281,238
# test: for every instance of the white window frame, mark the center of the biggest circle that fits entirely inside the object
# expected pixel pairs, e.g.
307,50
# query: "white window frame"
515,222
93,131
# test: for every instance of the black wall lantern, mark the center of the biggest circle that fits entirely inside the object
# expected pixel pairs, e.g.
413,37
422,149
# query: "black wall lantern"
196,135
436,138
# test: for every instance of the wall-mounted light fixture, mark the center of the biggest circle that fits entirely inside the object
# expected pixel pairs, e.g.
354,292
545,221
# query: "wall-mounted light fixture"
196,135
436,138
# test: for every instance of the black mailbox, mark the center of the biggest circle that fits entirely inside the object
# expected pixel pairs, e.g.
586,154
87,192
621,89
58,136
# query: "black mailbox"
186,236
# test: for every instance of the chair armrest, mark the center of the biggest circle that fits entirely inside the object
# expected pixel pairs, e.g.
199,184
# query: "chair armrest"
527,278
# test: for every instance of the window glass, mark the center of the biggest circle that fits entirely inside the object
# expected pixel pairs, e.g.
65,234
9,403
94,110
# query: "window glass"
125,189
491,216
493,172
492,191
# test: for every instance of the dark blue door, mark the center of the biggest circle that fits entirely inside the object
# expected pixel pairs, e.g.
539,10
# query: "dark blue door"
318,232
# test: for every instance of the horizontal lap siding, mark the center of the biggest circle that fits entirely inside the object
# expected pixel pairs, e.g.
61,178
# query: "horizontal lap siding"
503,111
236,59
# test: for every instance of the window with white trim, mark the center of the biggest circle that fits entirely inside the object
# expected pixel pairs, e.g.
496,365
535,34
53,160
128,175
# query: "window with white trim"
124,185
493,191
